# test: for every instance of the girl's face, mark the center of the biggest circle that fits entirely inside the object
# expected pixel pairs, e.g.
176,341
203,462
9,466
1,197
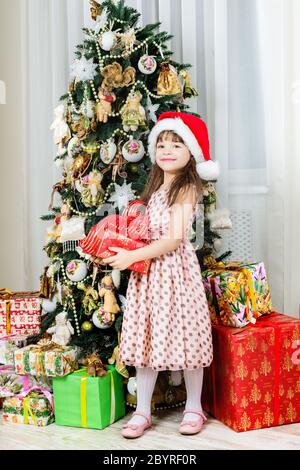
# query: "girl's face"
171,155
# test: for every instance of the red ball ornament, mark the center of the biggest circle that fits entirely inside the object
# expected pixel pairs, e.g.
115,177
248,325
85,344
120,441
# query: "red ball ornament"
57,219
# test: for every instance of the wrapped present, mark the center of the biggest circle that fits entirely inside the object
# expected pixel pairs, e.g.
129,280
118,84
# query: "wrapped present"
33,407
89,402
128,231
237,293
48,359
20,313
12,384
8,344
254,379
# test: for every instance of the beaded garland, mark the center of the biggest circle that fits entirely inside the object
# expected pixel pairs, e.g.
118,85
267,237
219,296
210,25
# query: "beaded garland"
70,296
94,212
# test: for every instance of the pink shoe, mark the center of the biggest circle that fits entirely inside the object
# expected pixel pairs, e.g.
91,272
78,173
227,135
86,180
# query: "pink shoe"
131,431
192,427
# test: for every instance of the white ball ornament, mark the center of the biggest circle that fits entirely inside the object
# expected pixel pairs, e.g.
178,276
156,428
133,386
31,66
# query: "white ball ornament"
107,40
108,152
132,386
101,320
123,301
116,277
74,146
76,270
133,150
147,64
49,305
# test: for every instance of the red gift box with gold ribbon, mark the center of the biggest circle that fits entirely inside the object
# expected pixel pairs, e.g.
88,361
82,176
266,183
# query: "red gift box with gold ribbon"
128,231
20,313
254,379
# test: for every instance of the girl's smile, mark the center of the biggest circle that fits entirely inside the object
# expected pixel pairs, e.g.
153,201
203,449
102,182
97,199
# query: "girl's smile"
172,152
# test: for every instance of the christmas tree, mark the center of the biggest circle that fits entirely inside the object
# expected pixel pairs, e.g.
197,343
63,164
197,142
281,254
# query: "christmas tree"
122,79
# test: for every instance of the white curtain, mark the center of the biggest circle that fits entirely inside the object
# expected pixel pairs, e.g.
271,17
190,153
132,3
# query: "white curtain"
246,69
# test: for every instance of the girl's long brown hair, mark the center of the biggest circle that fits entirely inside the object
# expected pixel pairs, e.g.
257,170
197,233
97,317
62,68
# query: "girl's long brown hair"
186,176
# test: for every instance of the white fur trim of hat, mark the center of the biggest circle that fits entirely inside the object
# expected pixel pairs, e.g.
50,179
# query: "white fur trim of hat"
186,126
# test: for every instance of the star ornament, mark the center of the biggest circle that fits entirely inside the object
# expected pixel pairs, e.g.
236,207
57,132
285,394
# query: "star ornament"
83,69
152,110
122,195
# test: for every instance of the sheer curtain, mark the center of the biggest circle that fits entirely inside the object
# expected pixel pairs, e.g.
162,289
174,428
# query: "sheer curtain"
246,70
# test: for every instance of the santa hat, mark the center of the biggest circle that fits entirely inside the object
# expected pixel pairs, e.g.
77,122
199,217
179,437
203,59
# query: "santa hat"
194,134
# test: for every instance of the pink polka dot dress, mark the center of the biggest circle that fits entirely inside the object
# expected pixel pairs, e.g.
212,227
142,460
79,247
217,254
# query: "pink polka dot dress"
166,322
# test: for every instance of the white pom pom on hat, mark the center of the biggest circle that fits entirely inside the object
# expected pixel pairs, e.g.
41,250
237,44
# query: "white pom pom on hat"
194,134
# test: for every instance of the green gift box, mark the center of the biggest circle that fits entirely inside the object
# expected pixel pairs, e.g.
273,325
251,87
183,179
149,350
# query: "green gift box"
89,402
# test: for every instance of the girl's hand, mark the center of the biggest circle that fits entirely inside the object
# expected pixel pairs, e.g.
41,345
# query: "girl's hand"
121,260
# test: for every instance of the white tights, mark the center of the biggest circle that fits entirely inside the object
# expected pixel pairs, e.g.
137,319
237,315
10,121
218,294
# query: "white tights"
146,379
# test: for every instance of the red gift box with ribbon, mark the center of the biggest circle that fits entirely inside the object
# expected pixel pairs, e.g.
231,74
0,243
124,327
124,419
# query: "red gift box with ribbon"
128,231
20,313
254,379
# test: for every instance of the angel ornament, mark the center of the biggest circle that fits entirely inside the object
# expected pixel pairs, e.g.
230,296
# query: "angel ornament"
62,330
61,129
133,113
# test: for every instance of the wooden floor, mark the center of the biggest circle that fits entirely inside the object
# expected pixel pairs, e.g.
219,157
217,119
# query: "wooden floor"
163,435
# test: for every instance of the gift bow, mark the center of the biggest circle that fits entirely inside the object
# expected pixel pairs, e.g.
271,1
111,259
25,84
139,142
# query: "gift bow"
250,296
34,392
7,296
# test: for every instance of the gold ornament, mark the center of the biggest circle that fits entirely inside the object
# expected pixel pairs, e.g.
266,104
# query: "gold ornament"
90,297
94,365
47,285
168,81
87,326
83,127
95,9
72,85
127,41
79,165
133,167
115,77
188,90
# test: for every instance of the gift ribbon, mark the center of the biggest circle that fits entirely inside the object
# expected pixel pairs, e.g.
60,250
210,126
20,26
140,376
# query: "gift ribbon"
112,398
39,356
26,399
276,330
28,411
83,403
258,325
7,296
250,296
83,398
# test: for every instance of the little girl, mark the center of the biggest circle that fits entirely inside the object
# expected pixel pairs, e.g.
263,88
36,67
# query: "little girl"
166,323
